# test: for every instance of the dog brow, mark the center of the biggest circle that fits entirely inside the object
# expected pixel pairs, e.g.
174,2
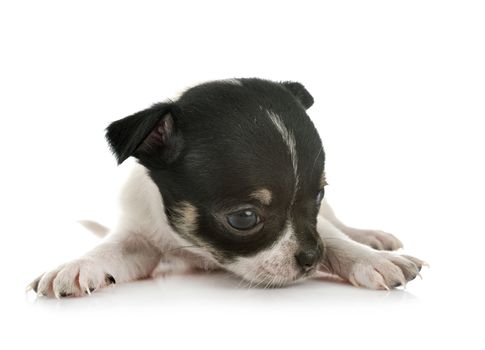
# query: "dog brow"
323,181
263,195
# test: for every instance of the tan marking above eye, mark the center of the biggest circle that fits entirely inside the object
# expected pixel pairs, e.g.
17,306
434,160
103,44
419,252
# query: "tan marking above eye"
323,181
263,195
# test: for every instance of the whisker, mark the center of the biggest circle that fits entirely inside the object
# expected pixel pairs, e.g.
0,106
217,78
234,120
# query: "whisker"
261,281
270,283
182,247
246,276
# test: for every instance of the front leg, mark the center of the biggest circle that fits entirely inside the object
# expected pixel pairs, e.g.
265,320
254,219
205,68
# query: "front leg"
361,265
122,257
376,239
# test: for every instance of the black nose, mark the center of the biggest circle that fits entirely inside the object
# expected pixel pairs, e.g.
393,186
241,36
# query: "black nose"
307,259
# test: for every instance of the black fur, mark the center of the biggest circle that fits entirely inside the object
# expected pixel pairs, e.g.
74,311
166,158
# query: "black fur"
221,147
145,133
299,91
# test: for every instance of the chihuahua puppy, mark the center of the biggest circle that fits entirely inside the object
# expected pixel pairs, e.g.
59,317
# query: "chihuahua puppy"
230,176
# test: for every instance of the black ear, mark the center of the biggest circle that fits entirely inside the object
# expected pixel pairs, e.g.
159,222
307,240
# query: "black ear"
299,91
149,135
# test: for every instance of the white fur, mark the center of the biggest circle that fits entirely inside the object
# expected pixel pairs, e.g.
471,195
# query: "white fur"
132,250
360,264
233,81
144,239
373,238
273,266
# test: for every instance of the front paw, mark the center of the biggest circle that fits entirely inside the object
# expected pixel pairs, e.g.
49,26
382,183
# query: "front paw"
383,270
76,278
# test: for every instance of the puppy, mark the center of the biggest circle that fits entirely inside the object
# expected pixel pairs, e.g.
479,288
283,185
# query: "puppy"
230,176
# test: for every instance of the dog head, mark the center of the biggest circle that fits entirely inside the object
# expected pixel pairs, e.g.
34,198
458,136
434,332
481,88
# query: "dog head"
240,167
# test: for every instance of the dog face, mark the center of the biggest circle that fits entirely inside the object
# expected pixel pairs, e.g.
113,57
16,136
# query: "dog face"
240,168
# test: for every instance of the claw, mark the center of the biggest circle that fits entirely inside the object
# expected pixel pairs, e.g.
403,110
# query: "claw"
384,286
353,281
34,285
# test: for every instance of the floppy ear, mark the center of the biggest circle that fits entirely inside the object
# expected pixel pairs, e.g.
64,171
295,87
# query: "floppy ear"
149,135
299,91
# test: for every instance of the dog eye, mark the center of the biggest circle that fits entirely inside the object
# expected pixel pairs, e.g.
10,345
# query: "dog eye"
320,196
243,220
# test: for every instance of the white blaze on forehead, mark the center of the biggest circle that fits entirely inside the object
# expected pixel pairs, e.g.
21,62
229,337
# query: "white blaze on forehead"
289,140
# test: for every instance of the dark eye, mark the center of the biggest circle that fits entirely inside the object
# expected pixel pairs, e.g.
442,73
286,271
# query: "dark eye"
320,196
243,220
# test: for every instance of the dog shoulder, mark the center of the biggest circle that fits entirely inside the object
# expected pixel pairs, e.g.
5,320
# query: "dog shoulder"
141,204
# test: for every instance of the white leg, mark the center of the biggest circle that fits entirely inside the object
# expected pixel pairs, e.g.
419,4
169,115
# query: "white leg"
373,238
361,265
123,256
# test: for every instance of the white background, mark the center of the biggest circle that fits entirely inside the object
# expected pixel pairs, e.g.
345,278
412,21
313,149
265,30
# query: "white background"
399,90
